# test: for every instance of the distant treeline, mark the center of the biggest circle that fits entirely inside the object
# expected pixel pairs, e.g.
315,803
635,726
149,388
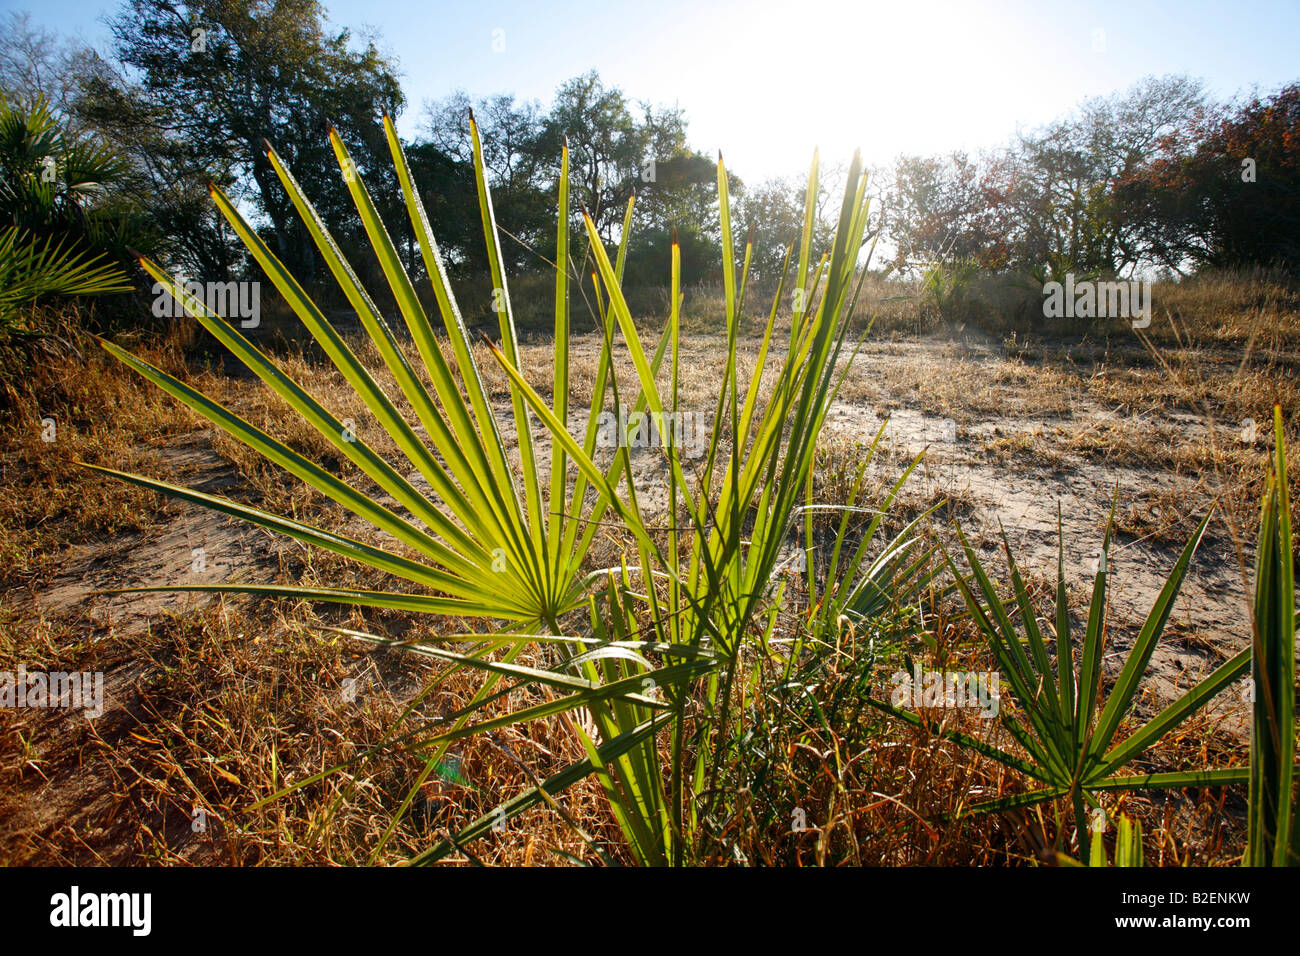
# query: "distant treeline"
116,149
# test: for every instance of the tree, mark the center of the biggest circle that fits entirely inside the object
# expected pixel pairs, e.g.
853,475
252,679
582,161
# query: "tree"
223,75
446,187
774,209
1050,200
615,150
163,178
948,208
168,175
1227,196
36,63
1066,176
514,154
611,150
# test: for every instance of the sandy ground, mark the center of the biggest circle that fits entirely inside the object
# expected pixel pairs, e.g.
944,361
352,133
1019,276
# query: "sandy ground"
1021,491
978,410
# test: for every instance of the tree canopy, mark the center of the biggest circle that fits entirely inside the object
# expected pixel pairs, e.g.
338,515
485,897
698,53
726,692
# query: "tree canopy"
191,92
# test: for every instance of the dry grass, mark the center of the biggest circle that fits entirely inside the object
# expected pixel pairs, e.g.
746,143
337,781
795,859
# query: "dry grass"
218,704
73,403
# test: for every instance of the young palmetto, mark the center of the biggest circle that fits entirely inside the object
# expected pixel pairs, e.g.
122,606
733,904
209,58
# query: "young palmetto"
1128,845
663,640
708,596
854,590
1069,726
31,268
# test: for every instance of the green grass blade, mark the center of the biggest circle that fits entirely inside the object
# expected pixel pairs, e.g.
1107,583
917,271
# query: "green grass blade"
1090,660
1271,804
307,471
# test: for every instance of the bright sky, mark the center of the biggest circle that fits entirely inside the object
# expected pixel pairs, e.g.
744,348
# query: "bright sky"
765,80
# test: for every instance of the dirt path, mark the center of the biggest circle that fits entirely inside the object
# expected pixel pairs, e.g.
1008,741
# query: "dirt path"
196,546
1022,493
72,796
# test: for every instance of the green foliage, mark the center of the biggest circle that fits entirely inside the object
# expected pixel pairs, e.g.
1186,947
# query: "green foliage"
1272,833
1054,268
949,287
616,152
222,76
671,639
1227,194
50,182
775,209
1070,745
701,256
33,268
611,147
1128,846
854,592
58,234
940,208
720,600
1149,175
520,171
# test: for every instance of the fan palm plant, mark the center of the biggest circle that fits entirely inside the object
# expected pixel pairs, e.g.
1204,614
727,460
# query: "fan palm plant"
660,642
32,268
59,236
853,589
948,285
1071,751
51,181
1070,744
